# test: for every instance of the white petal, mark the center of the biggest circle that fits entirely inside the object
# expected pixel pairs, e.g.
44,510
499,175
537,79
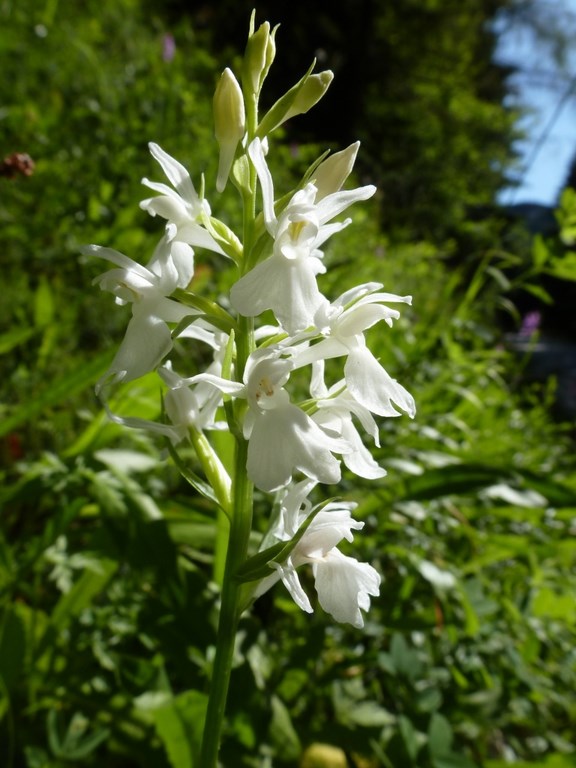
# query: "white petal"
223,385
195,235
173,263
146,343
294,509
127,285
256,153
353,294
183,258
169,208
386,298
333,172
292,583
360,460
327,230
344,585
287,287
360,317
373,387
326,531
176,173
256,291
332,205
284,440
119,259
169,310
322,350
133,422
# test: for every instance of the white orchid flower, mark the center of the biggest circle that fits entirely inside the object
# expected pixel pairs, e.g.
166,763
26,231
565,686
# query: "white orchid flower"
148,338
336,407
343,584
171,267
342,325
282,438
188,404
335,417
285,282
180,204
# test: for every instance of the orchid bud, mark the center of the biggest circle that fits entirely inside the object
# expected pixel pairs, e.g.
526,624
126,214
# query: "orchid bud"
259,55
229,123
311,92
298,100
333,172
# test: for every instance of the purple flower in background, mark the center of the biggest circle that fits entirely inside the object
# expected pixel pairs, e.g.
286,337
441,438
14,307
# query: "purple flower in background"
168,47
530,323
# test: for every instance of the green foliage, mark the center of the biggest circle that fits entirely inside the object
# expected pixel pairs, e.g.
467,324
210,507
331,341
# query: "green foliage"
108,575
84,90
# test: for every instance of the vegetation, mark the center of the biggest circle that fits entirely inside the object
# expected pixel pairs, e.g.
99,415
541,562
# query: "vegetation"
108,599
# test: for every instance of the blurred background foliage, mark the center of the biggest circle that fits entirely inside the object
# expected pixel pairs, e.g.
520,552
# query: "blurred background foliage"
108,580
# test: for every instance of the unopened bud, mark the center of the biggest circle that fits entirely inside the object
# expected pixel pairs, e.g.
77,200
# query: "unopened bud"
298,100
333,172
311,92
229,123
258,57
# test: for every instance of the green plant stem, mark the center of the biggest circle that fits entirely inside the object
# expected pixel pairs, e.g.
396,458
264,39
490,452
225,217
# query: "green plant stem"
240,528
241,517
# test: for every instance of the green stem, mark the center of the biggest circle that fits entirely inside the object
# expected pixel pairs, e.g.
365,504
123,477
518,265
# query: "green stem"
241,517
240,528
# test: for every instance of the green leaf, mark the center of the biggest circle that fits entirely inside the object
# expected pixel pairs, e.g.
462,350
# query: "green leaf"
76,744
453,760
6,562
258,566
282,732
14,338
90,584
556,760
43,304
539,292
472,625
557,494
540,252
13,643
224,236
191,477
564,267
410,737
466,479
405,659
59,391
553,605
71,604
455,479
179,725
440,735
369,714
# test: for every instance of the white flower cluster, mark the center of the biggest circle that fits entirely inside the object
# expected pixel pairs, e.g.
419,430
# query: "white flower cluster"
292,445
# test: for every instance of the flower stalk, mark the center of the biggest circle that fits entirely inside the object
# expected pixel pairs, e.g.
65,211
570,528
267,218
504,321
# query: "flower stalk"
240,528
